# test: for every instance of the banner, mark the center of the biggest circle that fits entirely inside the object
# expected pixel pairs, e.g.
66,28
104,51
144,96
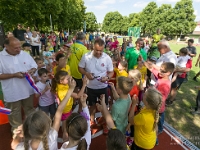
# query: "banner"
134,31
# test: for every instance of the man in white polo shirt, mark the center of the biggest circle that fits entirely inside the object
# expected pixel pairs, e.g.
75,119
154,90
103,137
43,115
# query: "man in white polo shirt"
98,68
167,55
16,90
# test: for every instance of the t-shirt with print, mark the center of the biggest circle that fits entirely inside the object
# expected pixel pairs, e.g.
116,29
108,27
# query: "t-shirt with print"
98,66
119,113
47,98
163,86
144,135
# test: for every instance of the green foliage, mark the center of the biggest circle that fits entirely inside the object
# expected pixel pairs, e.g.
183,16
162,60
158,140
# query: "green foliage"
91,22
171,21
112,22
65,14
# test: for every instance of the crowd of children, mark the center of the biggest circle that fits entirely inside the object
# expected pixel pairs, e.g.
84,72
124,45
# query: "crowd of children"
137,107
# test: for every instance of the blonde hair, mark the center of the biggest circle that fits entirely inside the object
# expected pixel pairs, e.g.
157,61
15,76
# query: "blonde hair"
36,126
136,76
154,99
125,84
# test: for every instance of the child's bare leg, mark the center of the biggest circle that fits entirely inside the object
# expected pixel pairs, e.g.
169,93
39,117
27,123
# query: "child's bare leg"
174,77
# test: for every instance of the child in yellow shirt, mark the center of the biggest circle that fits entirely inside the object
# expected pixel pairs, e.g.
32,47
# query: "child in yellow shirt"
60,87
145,122
121,70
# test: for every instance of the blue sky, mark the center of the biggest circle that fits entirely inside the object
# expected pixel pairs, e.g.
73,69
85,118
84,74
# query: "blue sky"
125,7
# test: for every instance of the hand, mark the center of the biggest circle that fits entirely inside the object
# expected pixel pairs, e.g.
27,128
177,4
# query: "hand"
89,76
62,62
134,100
85,80
128,128
104,79
72,83
18,133
48,87
99,107
32,71
102,99
111,85
83,100
18,75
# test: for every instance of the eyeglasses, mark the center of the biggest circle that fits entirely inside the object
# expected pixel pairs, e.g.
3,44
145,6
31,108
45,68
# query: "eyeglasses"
163,71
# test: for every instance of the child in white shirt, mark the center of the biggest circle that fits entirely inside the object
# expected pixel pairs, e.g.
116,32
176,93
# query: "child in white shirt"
182,61
46,98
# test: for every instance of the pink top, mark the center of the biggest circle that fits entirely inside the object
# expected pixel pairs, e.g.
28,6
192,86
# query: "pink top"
163,86
114,44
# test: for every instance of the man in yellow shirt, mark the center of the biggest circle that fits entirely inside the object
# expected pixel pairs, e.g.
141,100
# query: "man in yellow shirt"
77,51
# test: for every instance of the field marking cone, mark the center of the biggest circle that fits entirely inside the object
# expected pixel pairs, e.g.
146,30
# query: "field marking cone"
3,117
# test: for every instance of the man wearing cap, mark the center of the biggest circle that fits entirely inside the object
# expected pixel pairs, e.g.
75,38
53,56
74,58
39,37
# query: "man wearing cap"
77,51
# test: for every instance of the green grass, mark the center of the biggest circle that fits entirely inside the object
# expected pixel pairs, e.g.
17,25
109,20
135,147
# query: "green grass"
178,115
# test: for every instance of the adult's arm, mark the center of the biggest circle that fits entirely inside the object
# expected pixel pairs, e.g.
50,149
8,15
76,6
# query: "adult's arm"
9,76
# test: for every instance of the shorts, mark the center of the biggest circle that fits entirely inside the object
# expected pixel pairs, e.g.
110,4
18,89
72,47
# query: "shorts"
177,83
93,94
65,115
49,109
79,83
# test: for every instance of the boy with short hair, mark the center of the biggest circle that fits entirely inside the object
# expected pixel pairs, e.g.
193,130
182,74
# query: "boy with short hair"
46,99
121,107
27,48
40,64
163,85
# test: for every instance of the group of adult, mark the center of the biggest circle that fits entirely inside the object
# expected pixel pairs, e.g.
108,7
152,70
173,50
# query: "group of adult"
93,64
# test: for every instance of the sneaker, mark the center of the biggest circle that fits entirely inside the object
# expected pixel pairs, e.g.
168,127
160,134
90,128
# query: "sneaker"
168,103
195,79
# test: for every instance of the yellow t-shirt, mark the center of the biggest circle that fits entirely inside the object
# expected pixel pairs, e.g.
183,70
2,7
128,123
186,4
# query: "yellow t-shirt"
61,92
27,51
144,135
77,51
67,69
50,46
120,73
143,72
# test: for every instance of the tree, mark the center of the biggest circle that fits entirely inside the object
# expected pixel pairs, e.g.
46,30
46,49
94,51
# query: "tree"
125,25
164,17
184,17
65,14
147,18
136,20
112,22
91,22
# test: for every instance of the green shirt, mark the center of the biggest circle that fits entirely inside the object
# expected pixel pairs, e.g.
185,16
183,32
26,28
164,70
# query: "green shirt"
119,113
132,55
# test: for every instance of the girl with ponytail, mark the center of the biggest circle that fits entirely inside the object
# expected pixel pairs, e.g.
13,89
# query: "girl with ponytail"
37,132
145,122
78,129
